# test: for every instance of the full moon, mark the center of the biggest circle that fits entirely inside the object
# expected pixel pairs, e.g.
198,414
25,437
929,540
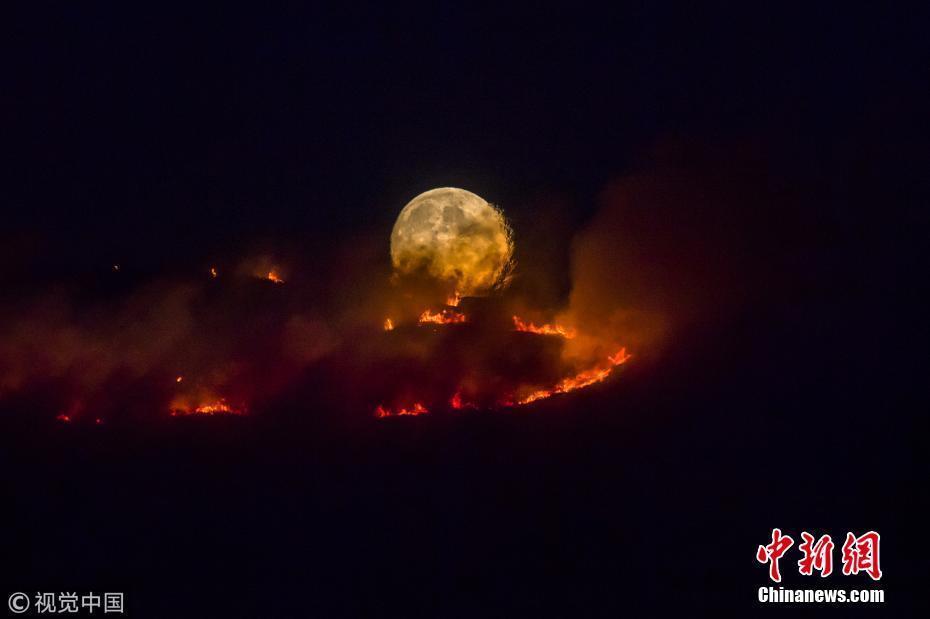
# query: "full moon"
454,236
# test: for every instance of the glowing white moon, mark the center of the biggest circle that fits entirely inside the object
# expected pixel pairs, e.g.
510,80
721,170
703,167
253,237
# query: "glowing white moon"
454,236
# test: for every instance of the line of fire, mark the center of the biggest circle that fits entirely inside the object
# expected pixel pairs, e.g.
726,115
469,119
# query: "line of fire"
491,360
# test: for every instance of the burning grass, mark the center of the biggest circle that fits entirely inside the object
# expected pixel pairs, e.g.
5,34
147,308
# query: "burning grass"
445,317
545,329
581,380
415,409
181,408
501,372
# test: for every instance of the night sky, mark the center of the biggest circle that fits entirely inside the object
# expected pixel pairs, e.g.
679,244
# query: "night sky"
752,175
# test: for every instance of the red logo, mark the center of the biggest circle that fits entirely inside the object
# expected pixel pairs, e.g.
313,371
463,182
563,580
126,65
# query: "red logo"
772,553
817,556
860,554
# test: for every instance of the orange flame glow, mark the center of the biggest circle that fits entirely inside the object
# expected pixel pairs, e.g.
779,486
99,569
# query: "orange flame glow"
388,324
216,407
416,409
69,413
445,317
274,277
620,357
454,299
458,403
213,272
579,381
545,329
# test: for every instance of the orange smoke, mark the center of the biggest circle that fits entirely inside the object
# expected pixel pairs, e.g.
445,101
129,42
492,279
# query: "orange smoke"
545,329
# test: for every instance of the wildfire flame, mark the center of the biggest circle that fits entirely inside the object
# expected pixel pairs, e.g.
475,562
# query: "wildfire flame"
64,418
458,403
573,383
416,409
454,299
445,317
213,272
581,380
216,407
274,277
620,357
545,329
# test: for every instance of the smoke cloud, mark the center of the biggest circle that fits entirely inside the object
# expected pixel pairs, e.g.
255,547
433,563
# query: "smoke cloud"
669,244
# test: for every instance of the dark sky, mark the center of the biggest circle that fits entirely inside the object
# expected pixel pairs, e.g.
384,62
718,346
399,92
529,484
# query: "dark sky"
158,138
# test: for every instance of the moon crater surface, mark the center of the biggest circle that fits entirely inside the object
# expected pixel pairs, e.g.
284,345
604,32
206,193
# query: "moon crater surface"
455,236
